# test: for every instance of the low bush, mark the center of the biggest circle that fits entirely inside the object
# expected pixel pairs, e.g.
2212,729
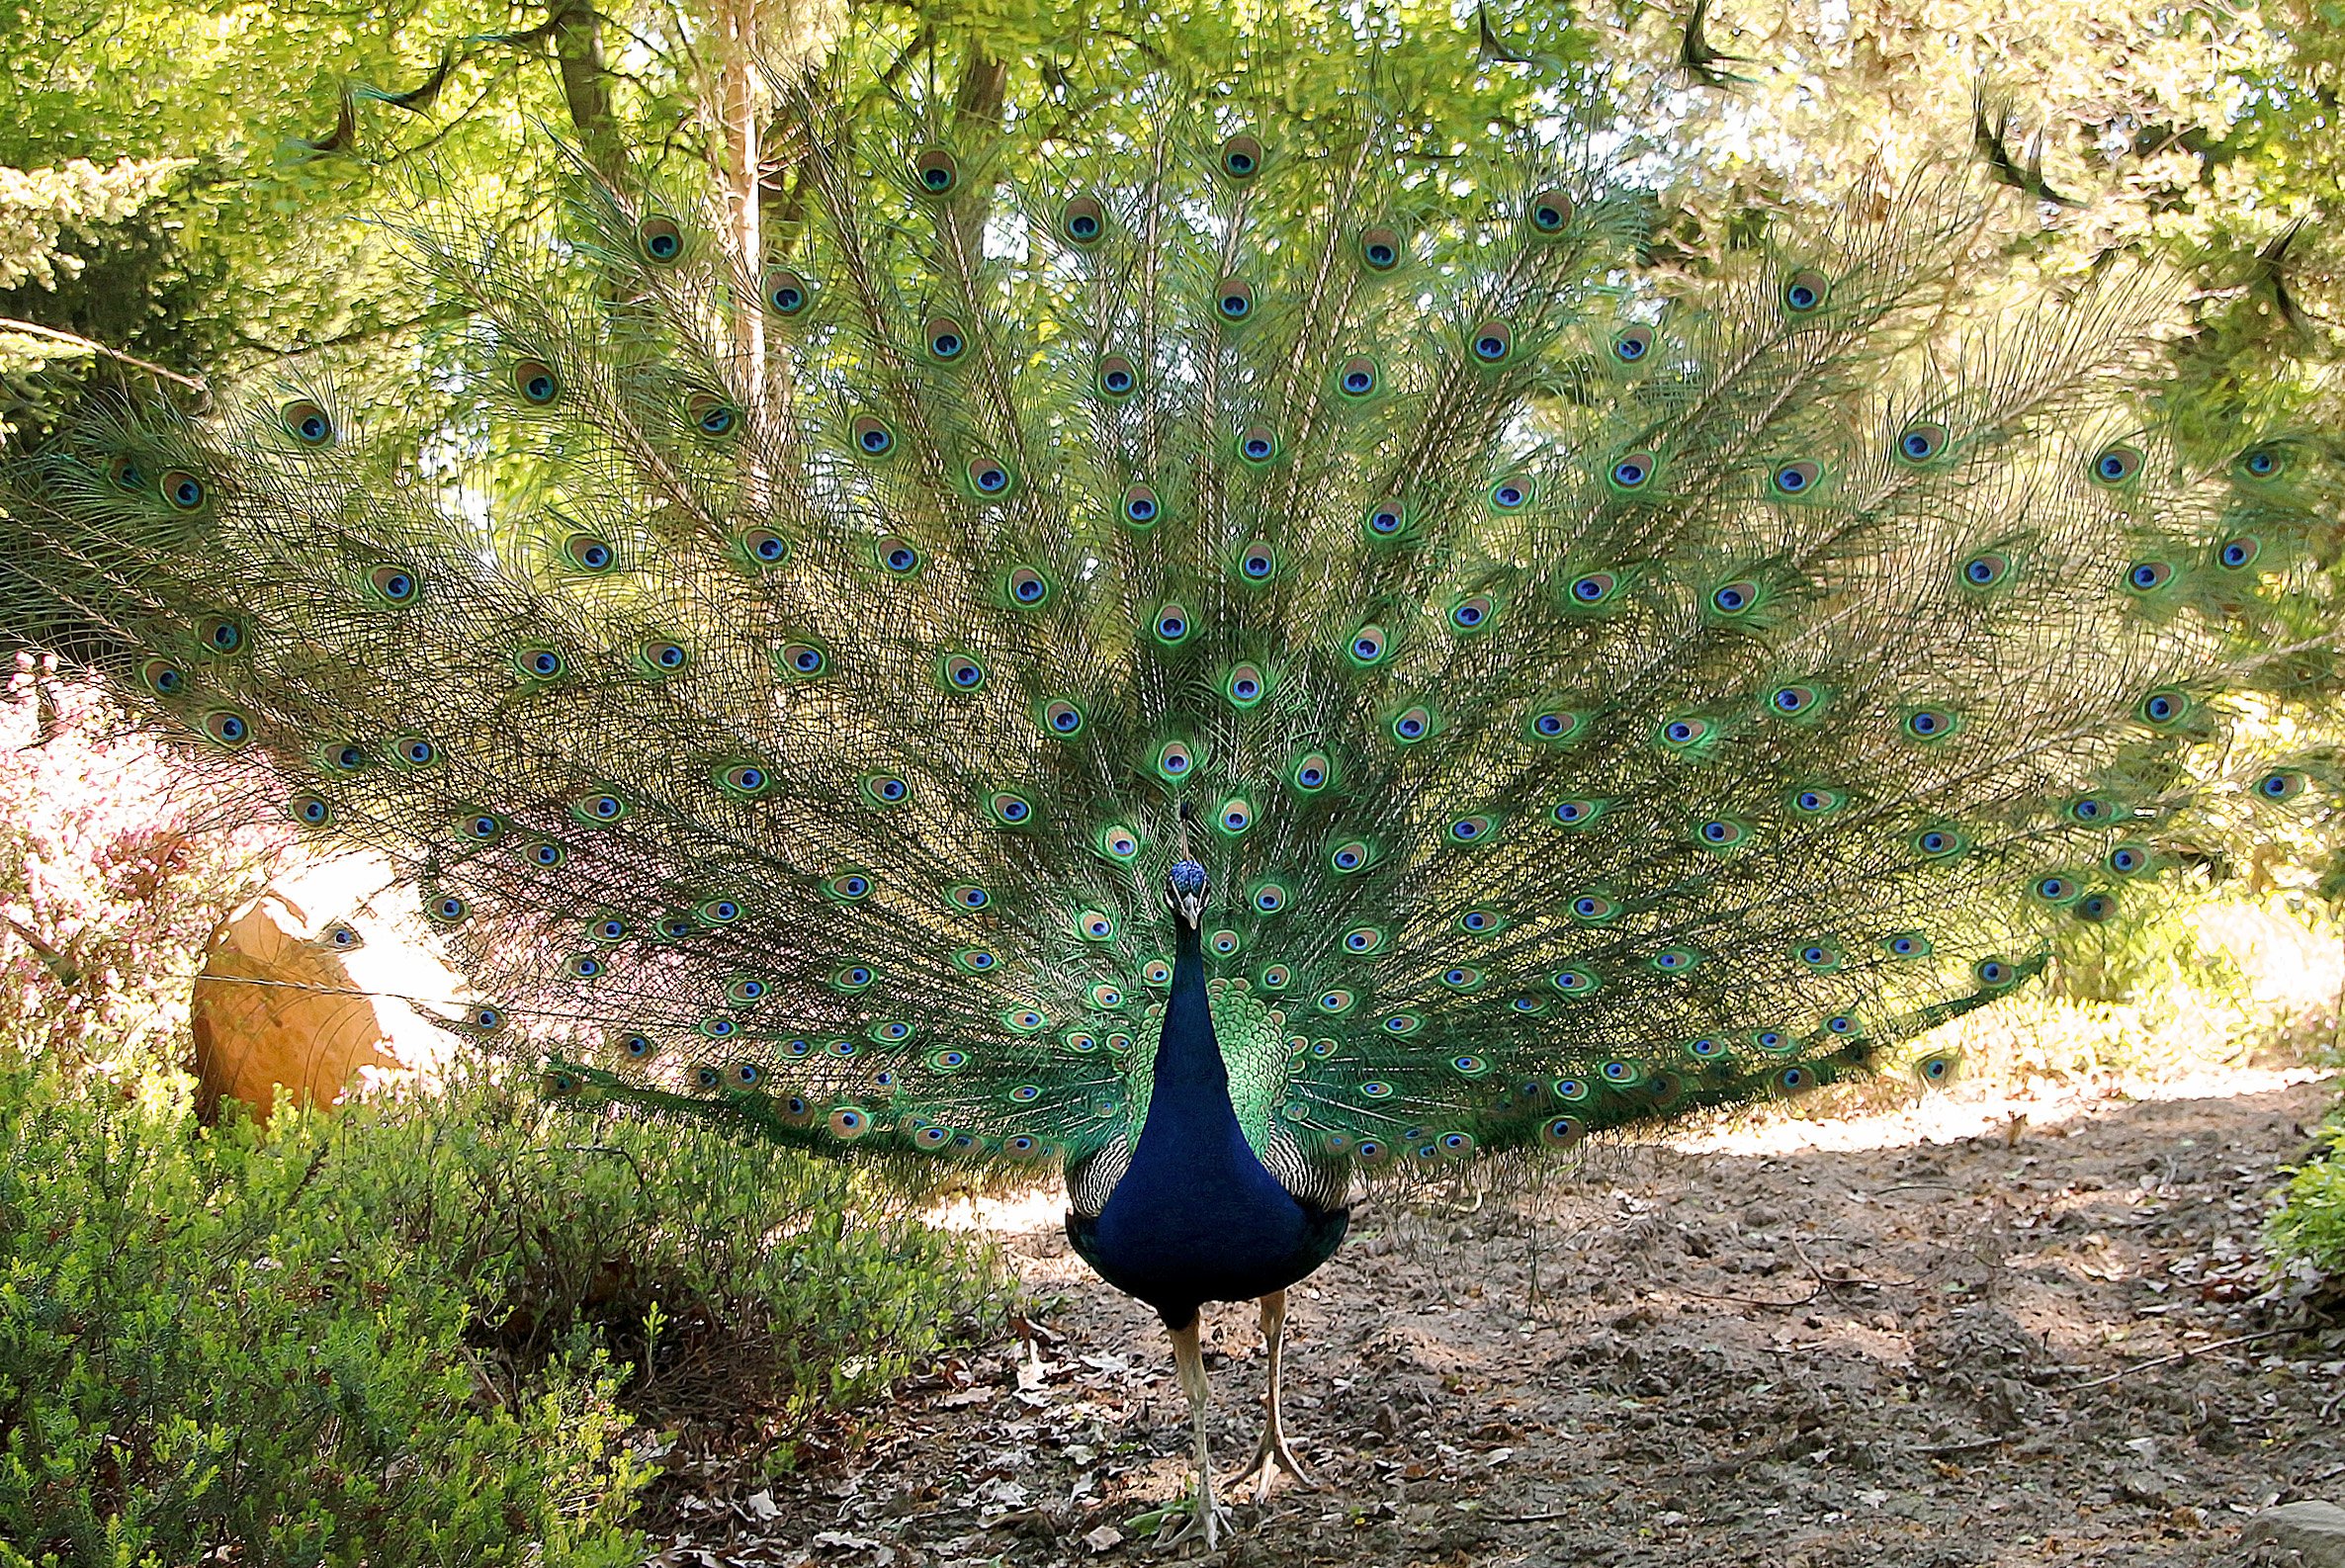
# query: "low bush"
2307,1230
412,1332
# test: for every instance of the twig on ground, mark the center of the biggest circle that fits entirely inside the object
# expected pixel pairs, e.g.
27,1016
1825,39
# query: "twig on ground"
2178,1356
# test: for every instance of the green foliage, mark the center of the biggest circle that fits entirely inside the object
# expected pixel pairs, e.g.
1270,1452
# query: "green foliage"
2309,1224
401,1334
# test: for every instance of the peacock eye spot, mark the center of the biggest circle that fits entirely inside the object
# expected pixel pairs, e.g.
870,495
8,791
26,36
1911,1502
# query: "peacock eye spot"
1922,442
2115,465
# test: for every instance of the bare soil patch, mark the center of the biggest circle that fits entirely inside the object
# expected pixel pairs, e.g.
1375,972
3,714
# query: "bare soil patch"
1937,1355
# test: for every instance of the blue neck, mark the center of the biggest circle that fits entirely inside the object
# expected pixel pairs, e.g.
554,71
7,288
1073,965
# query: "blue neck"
1190,1103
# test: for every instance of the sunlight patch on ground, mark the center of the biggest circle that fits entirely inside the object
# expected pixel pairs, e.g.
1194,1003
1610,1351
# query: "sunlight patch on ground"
1020,1211
1983,1110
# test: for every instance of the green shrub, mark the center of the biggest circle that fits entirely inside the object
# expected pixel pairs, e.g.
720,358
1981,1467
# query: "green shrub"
411,1333
2309,1224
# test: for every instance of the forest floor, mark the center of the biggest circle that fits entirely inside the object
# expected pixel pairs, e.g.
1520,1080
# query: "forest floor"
1799,1345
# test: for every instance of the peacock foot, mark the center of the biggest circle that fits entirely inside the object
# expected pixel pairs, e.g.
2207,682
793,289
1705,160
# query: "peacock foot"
1207,1524
1271,1457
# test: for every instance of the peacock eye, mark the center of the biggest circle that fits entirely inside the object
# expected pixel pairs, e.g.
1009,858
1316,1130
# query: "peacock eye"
1633,472
2115,465
307,423
590,553
1242,157
184,492
1356,378
1256,444
1233,297
710,416
1985,571
946,341
2147,577
1140,506
1385,520
1632,344
1921,441
989,477
1734,598
1084,222
536,382
1804,291
787,292
1379,249
937,171
1027,587
1117,377
1797,479
1492,342
1511,494
871,436
1550,211
660,241
395,584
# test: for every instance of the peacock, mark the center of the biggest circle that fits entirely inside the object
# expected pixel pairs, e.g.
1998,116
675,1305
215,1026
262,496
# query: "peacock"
1228,660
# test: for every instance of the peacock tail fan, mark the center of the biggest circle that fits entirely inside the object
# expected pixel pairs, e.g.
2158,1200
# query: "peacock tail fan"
1595,701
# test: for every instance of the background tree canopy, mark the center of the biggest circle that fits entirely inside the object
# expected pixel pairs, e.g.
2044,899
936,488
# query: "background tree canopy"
2206,135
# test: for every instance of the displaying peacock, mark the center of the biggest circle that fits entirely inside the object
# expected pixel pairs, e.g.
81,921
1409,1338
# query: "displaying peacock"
1226,660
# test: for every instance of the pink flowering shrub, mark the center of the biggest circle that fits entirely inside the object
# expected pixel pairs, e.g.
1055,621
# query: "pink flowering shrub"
114,868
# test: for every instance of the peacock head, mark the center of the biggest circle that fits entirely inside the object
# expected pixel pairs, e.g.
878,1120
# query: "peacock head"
1187,889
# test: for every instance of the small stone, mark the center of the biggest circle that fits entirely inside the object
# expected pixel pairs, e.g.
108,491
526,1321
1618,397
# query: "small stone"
2315,1532
1106,1538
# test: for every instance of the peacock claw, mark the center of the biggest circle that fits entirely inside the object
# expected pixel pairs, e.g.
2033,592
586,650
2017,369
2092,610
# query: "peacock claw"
1271,1457
1207,1524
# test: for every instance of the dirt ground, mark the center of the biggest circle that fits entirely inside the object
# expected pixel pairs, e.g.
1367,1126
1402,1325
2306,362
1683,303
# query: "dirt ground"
1756,1350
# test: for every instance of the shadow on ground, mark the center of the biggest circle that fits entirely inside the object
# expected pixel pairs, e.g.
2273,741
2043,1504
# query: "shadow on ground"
1926,1355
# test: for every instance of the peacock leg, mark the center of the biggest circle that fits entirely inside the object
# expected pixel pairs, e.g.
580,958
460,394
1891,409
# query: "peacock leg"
1208,1516
1272,1455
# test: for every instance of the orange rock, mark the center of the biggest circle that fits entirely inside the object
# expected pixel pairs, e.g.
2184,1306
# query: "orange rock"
312,1007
